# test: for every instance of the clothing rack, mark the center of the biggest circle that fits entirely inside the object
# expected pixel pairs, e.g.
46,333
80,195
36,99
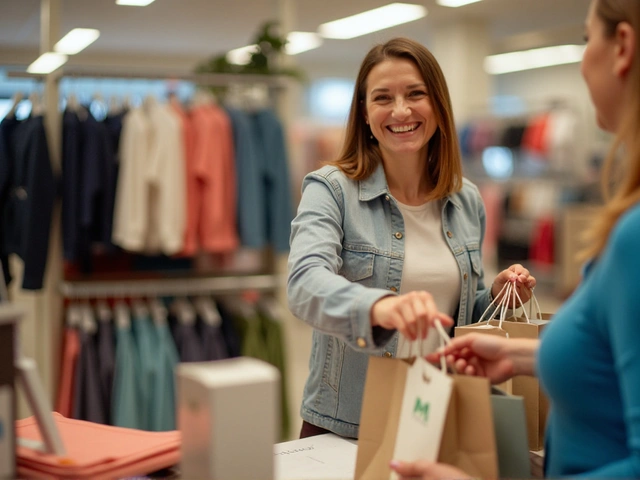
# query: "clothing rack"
203,79
174,286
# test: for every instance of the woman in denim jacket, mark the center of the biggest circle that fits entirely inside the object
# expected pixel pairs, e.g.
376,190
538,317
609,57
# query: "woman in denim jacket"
384,233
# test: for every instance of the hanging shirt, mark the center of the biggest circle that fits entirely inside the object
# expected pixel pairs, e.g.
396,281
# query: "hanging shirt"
26,210
277,205
163,405
428,265
215,218
252,226
71,349
126,402
150,207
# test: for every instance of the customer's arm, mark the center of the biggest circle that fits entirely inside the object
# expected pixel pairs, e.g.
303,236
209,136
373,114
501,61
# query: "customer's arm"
496,358
316,292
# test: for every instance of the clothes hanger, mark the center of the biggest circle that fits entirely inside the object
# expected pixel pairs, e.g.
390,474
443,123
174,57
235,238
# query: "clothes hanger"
17,98
184,311
37,105
88,323
208,311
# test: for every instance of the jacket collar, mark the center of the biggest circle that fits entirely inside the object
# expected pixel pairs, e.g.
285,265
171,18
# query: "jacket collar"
376,186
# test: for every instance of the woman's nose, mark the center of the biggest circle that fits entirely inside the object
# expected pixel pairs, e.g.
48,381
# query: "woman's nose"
401,109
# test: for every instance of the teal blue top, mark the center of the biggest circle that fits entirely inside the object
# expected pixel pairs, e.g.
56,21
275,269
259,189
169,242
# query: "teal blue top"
589,364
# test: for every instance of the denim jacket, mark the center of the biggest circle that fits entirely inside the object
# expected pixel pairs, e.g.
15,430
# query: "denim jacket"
347,252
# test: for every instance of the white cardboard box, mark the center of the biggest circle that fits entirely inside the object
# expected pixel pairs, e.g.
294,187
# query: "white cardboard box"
228,413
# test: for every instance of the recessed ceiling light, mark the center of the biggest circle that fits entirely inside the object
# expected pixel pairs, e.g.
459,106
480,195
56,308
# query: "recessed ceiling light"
455,3
372,20
535,58
76,40
47,63
134,3
297,42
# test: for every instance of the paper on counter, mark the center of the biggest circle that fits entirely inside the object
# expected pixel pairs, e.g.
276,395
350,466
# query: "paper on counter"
325,457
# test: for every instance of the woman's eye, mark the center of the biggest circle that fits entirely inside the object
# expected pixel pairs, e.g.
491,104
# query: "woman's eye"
380,98
417,93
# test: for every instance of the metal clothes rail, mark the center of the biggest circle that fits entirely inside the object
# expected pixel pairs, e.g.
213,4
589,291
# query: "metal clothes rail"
172,286
203,79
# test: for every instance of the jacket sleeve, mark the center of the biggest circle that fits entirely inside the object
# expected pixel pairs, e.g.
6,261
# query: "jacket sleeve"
317,293
41,190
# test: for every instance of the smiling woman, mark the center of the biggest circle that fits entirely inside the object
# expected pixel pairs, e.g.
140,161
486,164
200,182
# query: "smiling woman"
388,237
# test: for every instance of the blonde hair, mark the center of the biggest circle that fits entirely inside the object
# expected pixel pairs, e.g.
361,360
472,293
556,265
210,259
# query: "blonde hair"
626,175
360,154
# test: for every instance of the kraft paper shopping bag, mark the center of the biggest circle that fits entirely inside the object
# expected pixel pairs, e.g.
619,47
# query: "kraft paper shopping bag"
404,407
468,440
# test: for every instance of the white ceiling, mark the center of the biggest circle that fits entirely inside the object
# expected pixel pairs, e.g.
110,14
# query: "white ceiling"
179,33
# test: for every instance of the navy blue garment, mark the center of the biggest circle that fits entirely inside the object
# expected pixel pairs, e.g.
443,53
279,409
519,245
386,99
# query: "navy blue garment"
5,173
26,211
71,175
87,399
230,332
252,227
277,205
113,123
97,161
107,364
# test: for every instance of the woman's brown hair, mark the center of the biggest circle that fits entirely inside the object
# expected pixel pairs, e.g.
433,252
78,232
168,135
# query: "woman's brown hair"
625,176
361,155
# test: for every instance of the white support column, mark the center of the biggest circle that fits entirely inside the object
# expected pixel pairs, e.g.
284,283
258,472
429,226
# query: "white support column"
460,48
40,330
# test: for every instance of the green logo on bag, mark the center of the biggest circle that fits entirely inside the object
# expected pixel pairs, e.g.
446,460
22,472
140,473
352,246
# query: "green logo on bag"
421,410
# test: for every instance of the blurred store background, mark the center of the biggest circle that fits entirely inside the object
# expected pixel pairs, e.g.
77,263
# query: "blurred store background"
527,131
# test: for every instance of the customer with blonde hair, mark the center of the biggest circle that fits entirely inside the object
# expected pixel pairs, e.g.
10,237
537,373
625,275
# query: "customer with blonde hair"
588,359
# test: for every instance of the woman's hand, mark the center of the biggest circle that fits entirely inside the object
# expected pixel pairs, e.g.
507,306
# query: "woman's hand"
518,275
490,356
412,314
425,470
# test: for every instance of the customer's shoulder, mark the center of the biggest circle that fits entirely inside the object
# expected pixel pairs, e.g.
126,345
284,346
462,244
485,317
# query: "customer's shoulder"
627,229
468,194
331,175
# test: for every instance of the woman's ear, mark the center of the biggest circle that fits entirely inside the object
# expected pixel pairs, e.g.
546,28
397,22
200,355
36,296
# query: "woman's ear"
625,49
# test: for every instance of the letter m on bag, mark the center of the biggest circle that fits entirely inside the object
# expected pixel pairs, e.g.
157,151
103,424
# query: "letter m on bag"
421,410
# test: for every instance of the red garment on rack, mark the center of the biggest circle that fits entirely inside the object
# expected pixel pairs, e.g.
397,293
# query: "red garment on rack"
97,451
70,352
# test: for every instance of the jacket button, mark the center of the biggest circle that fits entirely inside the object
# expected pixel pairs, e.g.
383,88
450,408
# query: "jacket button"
387,198
398,235
388,354
393,289
449,234
466,276
21,193
361,342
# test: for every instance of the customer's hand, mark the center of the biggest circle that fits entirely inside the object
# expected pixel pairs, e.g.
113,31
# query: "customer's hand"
518,275
480,355
424,470
412,314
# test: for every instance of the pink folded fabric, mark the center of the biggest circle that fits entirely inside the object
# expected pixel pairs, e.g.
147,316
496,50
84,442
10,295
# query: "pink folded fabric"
97,451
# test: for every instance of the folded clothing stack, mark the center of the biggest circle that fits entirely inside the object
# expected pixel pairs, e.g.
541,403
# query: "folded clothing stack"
96,451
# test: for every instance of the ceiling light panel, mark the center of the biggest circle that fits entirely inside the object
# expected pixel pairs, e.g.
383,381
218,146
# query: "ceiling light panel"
372,20
76,40
134,3
242,55
455,3
298,42
530,59
47,63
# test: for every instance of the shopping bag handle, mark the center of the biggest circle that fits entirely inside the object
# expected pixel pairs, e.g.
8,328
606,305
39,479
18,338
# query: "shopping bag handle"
494,304
531,302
